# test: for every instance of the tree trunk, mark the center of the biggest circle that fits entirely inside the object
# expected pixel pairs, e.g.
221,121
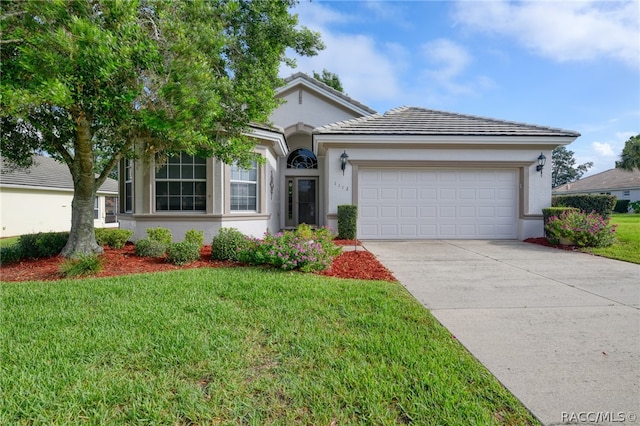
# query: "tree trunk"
82,239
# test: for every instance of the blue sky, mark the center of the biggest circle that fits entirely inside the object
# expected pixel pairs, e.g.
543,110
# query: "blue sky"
573,64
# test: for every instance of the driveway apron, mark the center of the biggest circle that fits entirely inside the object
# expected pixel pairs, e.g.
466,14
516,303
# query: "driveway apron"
559,329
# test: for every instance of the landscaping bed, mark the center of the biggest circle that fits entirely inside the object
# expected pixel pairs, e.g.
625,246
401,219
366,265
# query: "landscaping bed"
351,264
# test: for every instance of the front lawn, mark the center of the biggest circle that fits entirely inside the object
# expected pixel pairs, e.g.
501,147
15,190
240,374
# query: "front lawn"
236,346
628,234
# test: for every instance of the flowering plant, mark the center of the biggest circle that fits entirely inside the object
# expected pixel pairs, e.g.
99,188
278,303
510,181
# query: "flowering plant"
303,249
585,229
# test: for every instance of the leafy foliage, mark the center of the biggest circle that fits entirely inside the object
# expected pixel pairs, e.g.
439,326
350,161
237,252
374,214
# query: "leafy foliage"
330,79
622,206
160,234
10,254
635,206
550,212
84,264
150,248
347,221
602,204
42,244
183,253
194,236
86,81
585,229
293,250
227,244
564,169
630,156
113,237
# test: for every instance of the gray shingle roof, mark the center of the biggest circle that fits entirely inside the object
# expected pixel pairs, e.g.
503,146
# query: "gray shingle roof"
614,179
427,122
329,89
47,173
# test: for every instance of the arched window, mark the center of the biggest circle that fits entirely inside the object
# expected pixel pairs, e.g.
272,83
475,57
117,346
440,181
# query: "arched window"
302,159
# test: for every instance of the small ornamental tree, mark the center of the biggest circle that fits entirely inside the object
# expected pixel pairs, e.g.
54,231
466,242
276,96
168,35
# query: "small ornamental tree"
87,80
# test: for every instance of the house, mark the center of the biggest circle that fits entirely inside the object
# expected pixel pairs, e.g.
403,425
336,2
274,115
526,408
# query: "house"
625,185
38,199
414,173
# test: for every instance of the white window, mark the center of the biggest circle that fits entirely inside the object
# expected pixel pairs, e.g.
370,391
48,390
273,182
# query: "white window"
128,186
111,209
96,208
244,188
626,194
181,184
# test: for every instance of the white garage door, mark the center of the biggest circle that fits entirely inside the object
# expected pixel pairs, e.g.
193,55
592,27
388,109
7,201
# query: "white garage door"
437,204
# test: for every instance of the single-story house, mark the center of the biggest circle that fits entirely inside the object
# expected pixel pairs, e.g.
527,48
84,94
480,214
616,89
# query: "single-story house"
414,173
625,185
38,198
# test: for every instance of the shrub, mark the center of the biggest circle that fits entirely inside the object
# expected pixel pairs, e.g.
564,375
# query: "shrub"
150,248
347,221
635,206
84,264
112,237
43,244
585,229
10,254
599,203
183,253
550,212
289,250
227,244
194,236
162,235
622,206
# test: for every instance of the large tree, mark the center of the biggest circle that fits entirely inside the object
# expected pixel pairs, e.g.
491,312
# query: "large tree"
87,80
330,79
630,156
564,169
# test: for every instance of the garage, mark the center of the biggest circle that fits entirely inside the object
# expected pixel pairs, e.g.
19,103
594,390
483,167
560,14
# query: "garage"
432,203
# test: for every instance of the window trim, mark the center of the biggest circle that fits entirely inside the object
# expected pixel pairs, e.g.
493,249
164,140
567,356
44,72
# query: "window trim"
127,166
255,183
181,180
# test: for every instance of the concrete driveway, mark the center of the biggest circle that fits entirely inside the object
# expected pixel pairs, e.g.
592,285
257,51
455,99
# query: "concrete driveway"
561,330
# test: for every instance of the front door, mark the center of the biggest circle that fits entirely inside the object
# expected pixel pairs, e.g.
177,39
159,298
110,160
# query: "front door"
302,201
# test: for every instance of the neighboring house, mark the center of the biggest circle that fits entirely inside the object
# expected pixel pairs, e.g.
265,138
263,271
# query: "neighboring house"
625,185
38,199
414,173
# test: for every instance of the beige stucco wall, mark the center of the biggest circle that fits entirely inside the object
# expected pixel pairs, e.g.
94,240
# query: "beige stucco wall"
30,210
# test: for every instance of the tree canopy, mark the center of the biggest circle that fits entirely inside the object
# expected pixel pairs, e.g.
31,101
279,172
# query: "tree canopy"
564,169
330,79
87,80
630,156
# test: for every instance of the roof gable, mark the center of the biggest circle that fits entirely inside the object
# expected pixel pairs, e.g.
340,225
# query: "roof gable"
415,121
323,90
613,179
45,173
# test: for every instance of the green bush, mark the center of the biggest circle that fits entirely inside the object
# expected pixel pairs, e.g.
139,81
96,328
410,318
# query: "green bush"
194,236
635,206
550,212
347,221
112,237
183,253
84,264
226,244
150,248
10,254
584,229
600,203
162,235
43,244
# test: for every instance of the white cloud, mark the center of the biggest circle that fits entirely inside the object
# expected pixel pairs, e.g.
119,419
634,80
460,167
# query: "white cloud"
603,149
563,31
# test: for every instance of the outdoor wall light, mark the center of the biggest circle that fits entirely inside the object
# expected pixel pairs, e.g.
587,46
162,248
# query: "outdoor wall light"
343,161
541,162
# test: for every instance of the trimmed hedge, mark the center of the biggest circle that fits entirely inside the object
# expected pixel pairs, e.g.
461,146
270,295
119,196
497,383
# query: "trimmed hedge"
227,244
10,254
622,206
113,237
183,253
162,235
150,248
42,244
194,236
347,221
600,203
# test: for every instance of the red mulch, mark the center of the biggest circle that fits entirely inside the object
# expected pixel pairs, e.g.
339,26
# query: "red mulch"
359,265
347,242
544,242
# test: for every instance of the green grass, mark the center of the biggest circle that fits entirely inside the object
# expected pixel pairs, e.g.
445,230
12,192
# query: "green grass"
9,241
628,245
236,346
